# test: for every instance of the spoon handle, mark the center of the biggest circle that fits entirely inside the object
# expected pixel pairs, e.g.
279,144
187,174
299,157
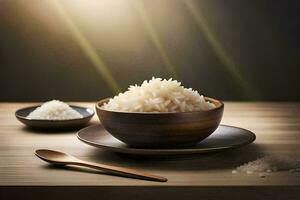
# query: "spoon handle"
122,171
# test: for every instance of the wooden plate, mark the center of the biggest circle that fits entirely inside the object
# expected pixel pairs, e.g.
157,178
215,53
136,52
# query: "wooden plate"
22,114
225,137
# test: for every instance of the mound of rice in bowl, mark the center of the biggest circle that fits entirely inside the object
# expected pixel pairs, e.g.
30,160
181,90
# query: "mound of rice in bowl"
54,110
158,95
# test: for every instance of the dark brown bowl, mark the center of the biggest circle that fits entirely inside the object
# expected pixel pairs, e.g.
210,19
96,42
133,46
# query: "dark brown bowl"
161,130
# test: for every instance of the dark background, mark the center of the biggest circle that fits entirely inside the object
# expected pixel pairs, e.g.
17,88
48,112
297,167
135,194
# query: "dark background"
246,50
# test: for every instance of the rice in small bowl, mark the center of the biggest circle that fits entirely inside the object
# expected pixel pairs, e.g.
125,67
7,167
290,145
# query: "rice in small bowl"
160,114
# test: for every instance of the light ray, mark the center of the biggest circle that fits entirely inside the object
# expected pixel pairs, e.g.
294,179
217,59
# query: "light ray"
217,47
140,8
87,48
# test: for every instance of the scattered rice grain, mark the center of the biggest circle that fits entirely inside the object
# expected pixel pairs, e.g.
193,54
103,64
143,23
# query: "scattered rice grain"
271,164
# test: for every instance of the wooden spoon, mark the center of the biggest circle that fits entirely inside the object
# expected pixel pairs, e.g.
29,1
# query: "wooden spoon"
60,158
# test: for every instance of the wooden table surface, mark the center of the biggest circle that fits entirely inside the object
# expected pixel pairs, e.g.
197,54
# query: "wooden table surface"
276,125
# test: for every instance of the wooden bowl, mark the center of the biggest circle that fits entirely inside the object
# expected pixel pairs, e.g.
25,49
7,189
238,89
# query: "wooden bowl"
161,130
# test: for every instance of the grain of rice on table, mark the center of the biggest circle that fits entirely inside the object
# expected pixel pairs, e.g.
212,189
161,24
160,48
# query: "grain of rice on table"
158,95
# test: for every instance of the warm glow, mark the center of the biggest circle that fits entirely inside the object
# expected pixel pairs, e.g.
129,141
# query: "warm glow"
128,31
150,29
87,48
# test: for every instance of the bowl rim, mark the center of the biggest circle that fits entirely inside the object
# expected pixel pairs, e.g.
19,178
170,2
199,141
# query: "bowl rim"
219,107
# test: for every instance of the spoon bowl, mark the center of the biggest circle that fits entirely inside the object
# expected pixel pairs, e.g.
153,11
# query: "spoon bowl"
54,157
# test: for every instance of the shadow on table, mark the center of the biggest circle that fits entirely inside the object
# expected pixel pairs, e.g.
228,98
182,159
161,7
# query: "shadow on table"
80,170
228,159
67,130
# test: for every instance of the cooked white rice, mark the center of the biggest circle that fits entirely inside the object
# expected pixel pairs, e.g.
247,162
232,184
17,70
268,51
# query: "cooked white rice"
54,110
158,95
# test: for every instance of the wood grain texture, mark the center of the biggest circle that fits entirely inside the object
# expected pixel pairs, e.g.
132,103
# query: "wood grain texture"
277,126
